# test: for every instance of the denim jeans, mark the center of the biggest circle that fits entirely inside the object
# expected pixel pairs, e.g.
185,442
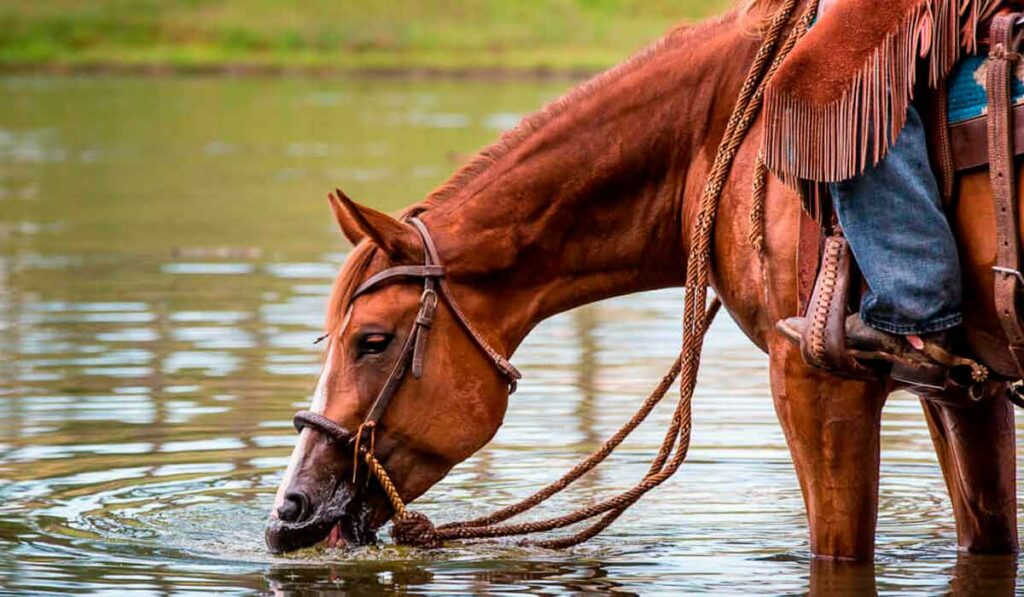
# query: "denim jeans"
893,219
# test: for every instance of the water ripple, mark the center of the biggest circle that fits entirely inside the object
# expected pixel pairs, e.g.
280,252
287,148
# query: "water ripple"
159,295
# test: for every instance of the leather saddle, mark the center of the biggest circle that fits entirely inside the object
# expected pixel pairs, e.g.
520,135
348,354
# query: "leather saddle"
829,285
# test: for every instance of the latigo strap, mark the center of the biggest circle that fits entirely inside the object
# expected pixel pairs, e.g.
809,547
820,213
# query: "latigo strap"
1003,58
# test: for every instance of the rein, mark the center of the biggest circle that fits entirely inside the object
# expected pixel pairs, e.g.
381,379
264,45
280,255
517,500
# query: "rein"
414,528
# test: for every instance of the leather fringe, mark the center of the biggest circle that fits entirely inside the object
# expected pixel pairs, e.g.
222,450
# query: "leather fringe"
837,141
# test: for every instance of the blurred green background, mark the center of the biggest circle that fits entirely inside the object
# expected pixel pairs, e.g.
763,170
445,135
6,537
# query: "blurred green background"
335,35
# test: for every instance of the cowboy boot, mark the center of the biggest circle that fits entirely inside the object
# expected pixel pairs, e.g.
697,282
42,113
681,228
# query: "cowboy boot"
910,365
926,366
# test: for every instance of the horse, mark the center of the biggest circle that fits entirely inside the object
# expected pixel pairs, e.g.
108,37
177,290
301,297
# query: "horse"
593,197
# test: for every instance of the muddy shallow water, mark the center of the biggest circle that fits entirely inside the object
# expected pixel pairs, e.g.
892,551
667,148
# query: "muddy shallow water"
165,255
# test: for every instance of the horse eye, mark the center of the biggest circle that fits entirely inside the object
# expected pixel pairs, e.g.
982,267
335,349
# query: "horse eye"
374,343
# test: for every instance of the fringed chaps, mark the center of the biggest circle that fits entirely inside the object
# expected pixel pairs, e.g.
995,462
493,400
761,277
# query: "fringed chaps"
839,100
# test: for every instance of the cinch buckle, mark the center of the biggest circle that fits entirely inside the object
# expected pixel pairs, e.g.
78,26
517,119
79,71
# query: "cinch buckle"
1008,271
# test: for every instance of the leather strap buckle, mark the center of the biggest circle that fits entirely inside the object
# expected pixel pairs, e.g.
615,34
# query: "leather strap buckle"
428,308
1009,271
999,52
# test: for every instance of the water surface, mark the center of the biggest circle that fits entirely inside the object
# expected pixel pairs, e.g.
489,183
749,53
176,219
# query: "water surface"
165,255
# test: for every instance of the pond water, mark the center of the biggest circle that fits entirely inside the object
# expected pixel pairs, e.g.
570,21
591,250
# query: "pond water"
165,255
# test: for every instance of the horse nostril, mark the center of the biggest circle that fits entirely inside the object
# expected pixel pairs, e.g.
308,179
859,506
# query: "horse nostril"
295,508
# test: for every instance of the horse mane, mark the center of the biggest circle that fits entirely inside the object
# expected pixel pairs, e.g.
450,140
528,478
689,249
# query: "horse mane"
513,138
762,5
758,14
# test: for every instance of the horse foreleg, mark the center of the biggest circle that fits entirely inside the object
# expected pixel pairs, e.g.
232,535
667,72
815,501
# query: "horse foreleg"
976,448
832,427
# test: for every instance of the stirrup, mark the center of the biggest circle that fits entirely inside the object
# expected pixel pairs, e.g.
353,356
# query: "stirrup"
843,362
821,335
932,368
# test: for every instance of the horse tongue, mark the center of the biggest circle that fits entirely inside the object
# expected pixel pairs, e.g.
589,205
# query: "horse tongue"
335,538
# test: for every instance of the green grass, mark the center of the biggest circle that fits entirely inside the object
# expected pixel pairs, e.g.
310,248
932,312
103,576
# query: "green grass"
336,34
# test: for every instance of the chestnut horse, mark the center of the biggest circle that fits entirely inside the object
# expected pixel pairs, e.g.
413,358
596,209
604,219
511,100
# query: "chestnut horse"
591,198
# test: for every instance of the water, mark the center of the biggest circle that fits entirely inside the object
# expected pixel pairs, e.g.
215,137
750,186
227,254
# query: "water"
165,254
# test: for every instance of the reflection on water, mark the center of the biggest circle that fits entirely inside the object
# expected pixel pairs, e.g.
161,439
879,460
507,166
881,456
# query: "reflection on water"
165,255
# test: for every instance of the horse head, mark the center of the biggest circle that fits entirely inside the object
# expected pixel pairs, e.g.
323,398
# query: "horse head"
405,376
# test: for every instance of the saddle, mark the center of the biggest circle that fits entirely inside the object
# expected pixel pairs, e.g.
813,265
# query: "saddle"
829,284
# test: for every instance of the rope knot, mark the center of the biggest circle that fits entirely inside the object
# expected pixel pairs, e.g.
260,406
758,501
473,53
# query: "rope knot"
415,530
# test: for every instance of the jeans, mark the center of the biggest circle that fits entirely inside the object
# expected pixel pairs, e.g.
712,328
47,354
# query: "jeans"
893,218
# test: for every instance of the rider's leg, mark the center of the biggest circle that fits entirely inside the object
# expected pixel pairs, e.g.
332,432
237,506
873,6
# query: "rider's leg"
893,219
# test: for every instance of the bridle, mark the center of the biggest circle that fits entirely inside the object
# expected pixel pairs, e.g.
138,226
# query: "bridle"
416,529
411,358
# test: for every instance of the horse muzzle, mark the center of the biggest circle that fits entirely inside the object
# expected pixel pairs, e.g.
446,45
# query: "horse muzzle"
345,518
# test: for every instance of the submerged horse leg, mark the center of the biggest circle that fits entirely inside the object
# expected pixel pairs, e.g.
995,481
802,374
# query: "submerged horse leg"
976,448
832,426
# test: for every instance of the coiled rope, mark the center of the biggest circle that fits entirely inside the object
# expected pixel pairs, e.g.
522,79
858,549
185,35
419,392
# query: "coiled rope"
415,529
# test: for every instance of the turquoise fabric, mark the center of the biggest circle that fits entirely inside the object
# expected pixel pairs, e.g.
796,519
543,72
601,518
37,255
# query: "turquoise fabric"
967,89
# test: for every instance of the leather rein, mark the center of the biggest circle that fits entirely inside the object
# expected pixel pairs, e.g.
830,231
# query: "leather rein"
411,358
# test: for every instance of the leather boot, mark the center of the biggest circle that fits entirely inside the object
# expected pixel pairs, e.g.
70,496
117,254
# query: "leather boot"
927,368
909,365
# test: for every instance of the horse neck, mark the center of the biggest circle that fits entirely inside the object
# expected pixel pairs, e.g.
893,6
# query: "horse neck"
590,204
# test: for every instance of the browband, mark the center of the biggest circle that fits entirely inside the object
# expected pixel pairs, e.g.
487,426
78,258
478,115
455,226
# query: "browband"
432,273
399,271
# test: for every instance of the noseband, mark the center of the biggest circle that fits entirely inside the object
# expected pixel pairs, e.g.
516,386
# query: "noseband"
432,273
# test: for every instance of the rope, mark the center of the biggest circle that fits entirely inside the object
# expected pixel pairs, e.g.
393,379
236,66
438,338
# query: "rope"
758,206
759,196
414,528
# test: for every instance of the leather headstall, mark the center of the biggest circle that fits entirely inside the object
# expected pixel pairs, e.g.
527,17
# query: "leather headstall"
413,353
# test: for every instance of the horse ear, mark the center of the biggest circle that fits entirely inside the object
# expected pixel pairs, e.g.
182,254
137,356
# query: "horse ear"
349,226
357,222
